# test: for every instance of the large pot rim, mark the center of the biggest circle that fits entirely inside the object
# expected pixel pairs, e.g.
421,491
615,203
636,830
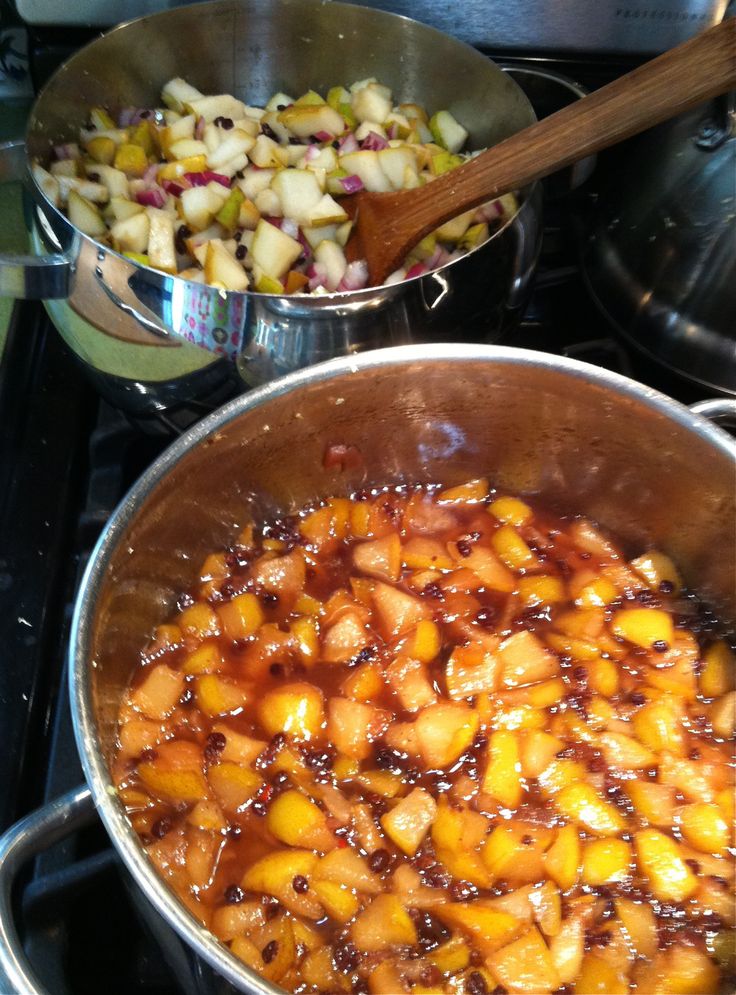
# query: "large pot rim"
93,763
65,232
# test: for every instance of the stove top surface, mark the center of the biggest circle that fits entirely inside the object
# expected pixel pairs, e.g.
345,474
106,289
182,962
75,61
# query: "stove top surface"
70,458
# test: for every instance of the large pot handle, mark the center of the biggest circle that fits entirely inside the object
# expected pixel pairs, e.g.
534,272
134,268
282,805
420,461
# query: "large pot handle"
721,410
33,834
29,277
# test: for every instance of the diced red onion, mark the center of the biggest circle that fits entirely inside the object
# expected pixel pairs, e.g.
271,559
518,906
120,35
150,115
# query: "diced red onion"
69,150
125,116
418,269
153,197
290,227
175,187
312,153
323,136
352,183
134,115
348,143
355,276
149,176
273,220
393,131
199,128
205,177
435,259
488,212
317,274
373,142
306,247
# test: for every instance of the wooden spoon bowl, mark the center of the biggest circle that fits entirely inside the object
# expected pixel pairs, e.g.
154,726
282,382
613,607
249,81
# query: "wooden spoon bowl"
388,225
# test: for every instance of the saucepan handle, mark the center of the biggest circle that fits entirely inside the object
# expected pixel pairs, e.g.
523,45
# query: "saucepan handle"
38,831
721,410
29,277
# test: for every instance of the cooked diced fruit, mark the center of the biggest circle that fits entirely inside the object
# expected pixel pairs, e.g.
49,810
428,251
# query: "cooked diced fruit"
408,822
658,725
159,693
444,732
514,852
719,670
541,590
487,567
471,492
294,709
639,921
175,773
644,626
383,923
502,779
606,861
295,819
525,965
487,927
655,568
562,860
547,907
661,862
380,557
625,753
655,803
703,826
397,611
278,869
345,639
680,970
538,750
567,949
426,641
218,695
339,903
345,866
582,804
234,785
409,680
241,617
510,510
352,726
599,976
512,549
525,660
723,715
471,670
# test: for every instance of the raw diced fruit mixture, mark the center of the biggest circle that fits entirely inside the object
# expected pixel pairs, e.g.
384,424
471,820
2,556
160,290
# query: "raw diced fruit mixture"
427,740
243,197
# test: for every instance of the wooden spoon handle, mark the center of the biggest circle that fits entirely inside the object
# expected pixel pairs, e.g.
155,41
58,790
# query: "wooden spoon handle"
668,85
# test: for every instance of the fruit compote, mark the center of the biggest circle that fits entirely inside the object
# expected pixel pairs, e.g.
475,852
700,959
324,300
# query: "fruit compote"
425,740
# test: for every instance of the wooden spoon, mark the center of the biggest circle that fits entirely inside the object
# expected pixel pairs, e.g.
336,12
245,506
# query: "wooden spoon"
388,225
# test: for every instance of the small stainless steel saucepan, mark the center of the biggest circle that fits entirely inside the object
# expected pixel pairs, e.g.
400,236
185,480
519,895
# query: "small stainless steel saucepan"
143,327
579,438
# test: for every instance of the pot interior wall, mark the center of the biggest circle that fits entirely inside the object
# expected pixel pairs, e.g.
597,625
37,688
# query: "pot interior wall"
575,442
253,48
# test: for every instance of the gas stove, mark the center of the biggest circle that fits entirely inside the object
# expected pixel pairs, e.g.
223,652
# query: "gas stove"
70,457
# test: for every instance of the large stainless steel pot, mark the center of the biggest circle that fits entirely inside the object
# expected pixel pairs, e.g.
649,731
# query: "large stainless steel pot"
152,336
580,438
661,260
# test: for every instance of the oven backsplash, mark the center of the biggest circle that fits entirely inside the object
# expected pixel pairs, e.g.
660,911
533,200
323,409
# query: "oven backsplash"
603,26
